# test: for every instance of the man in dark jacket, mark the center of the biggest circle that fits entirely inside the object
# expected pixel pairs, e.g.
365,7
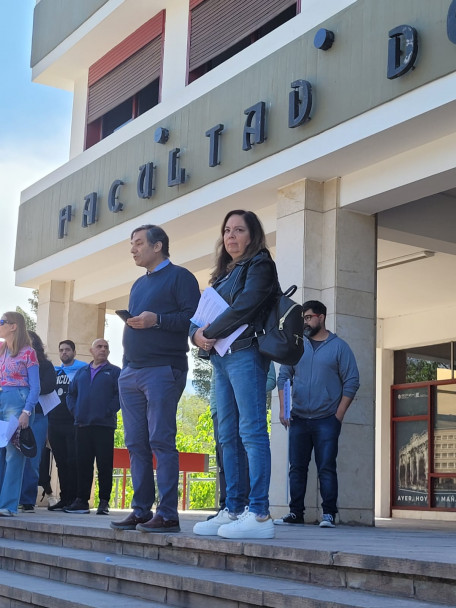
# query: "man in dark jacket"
93,399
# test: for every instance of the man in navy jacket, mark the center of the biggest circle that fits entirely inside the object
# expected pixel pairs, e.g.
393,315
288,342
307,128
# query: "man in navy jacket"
93,399
324,381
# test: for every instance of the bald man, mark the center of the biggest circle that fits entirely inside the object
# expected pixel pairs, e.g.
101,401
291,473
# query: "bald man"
93,399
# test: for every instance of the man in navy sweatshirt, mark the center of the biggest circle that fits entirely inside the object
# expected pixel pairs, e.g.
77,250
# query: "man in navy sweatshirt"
324,381
93,400
153,377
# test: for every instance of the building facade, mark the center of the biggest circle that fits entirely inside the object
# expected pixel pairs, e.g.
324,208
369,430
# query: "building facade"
333,121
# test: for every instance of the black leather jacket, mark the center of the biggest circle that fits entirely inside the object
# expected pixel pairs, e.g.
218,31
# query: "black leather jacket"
250,289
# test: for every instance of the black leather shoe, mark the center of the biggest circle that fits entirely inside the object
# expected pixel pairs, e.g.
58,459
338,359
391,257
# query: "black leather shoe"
131,521
158,524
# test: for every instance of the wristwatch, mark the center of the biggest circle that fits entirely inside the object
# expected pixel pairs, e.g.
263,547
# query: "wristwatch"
26,412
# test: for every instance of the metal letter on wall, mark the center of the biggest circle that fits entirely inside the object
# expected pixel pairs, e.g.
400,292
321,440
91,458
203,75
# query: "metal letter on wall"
64,218
114,204
451,22
89,213
299,103
257,112
214,144
176,176
145,183
403,37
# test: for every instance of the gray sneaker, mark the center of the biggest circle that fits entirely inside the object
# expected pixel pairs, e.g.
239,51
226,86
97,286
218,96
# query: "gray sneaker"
327,521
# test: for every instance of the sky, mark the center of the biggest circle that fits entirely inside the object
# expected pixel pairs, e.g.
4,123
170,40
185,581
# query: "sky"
35,122
35,125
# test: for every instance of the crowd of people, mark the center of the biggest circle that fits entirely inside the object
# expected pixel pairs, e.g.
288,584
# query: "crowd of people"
162,305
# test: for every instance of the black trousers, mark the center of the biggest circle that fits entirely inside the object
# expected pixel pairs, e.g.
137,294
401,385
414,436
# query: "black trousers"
62,442
94,443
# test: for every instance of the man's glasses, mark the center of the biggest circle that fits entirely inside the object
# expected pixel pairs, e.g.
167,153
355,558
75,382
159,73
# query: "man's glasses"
4,321
308,318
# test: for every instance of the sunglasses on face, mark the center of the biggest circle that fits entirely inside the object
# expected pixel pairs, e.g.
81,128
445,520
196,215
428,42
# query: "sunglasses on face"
5,322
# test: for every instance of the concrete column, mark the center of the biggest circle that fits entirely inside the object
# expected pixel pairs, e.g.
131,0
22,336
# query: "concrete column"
330,253
385,378
60,317
175,50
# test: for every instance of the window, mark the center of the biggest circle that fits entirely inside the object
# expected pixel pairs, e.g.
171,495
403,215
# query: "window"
425,363
125,83
424,470
222,28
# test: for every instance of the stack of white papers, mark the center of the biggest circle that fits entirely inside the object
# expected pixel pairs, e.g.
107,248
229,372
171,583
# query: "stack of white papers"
210,306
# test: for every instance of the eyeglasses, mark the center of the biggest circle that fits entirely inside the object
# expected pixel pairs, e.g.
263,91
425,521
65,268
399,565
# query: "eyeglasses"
308,318
4,321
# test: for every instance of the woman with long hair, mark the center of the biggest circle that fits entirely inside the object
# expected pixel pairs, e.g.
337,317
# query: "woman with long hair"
246,278
20,388
39,427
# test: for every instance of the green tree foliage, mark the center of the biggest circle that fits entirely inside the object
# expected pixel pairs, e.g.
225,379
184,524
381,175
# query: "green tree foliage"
33,301
30,322
189,409
419,370
202,372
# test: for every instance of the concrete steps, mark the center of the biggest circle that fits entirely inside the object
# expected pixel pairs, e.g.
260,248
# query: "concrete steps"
74,564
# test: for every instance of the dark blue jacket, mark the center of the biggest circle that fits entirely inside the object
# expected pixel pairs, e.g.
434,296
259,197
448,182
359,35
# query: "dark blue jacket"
95,403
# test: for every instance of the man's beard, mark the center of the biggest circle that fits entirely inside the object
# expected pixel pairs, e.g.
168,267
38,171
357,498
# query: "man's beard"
310,332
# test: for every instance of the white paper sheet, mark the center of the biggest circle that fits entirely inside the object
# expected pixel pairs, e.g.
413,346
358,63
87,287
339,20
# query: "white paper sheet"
49,402
210,306
7,430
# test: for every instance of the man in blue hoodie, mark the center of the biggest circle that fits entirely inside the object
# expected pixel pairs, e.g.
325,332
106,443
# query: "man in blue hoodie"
324,383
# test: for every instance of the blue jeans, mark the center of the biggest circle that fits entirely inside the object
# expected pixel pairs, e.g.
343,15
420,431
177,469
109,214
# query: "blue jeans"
12,461
321,435
32,465
240,390
148,399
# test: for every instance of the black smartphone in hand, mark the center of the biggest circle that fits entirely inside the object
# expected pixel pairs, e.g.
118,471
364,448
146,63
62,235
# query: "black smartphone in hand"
124,315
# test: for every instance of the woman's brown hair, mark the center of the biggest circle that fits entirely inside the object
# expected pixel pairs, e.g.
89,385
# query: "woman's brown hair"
223,261
21,337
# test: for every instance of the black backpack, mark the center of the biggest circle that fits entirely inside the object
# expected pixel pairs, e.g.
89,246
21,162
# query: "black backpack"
282,337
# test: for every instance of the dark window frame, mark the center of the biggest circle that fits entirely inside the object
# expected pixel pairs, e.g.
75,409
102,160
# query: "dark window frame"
429,418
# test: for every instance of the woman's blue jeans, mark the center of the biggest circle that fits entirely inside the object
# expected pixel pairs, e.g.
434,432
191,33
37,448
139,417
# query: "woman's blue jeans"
12,461
32,465
240,387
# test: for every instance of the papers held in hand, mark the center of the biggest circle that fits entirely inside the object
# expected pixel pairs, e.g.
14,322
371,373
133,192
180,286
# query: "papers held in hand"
210,306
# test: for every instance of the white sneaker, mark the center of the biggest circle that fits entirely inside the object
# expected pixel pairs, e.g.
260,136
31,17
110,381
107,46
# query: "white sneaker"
248,525
52,500
210,527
